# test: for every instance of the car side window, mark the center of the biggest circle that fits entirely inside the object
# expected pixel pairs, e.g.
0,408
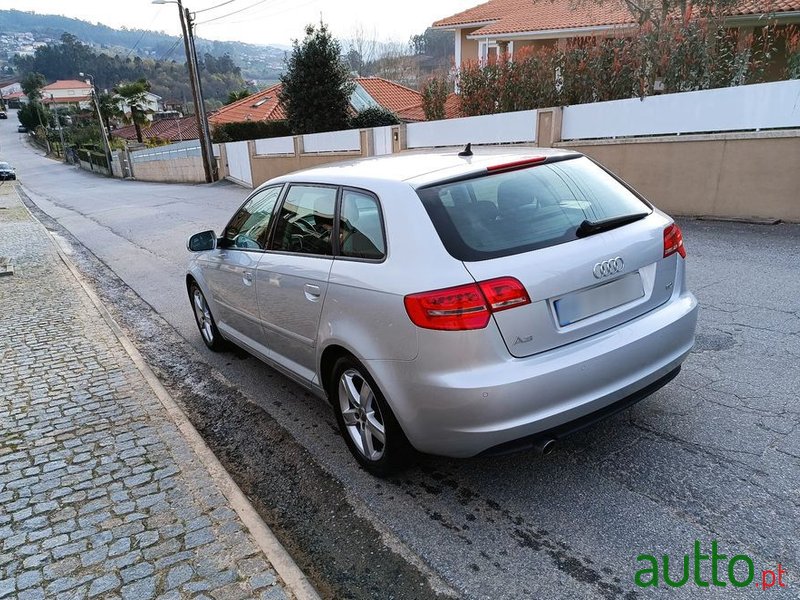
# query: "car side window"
249,227
360,227
305,222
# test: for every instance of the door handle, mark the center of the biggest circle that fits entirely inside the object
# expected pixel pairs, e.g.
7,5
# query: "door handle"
312,292
247,277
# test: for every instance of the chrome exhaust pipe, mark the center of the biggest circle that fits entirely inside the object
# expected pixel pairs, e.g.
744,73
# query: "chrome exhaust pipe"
545,446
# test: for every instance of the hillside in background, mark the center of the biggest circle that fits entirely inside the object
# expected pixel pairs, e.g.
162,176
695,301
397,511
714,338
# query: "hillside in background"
260,63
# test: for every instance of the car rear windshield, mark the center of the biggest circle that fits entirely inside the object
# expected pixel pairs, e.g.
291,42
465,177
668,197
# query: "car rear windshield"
517,211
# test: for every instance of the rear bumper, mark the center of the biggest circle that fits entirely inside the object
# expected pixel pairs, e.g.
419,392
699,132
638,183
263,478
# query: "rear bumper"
478,405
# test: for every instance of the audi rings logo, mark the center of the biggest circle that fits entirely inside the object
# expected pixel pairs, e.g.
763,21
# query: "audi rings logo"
608,267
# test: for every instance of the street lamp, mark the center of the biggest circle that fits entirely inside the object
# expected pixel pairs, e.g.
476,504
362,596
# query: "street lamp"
209,165
106,144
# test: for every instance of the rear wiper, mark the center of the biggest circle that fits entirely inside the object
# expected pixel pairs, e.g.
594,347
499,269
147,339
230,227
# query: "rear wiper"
588,227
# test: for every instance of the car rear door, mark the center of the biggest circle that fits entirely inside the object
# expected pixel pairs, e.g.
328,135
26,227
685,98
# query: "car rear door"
292,276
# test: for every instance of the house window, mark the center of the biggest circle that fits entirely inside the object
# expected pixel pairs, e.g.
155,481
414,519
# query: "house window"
489,52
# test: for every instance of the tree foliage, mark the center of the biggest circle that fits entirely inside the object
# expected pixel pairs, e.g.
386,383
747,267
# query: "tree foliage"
134,97
168,79
250,130
316,84
32,85
374,116
237,95
676,56
32,115
434,96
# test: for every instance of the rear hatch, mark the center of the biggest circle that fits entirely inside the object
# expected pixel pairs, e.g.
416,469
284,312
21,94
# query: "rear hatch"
588,251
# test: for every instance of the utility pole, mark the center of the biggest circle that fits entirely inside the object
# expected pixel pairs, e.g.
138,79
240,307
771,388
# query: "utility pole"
205,134
106,144
60,130
206,151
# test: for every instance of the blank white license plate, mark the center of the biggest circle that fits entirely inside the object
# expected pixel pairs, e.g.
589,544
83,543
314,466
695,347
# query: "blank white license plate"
582,305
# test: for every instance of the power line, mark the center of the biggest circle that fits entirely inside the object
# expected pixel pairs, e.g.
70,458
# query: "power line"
213,7
144,31
270,10
171,49
233,12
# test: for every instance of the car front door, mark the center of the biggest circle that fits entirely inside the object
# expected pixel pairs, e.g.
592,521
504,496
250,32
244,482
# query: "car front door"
292,276
230,270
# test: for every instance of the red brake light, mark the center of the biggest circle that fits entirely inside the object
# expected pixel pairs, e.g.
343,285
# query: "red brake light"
673,241
465,307
504,293
517,164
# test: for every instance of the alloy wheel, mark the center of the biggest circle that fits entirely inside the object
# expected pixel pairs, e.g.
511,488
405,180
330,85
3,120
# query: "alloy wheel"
362,415
203,316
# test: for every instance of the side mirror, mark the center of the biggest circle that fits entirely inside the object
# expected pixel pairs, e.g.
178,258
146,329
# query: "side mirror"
199,242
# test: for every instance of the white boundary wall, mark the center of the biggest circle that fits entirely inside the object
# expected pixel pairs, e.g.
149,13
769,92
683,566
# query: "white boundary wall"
504,128
758,106
270,146
333,141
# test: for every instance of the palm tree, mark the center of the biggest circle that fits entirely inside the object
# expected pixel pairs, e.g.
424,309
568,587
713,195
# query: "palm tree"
134,97
109,108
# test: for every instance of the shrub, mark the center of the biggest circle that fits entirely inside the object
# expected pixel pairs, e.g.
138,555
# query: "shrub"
681,55
374,116
434,96
250,130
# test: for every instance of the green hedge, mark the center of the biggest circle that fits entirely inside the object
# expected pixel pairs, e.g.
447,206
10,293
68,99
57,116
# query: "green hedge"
250,130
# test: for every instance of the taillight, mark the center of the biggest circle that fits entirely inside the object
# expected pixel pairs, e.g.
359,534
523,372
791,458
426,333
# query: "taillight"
465,306
673,241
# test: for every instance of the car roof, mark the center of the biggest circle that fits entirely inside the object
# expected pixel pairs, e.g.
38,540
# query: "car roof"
418,168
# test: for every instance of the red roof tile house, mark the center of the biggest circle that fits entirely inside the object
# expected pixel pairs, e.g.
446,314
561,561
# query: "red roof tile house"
506,26
165,130
70,92
370,91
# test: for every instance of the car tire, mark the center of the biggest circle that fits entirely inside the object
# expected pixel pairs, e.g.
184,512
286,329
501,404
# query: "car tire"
368,425
205,320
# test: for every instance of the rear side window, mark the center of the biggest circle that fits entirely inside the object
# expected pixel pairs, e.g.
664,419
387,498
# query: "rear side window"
509,213
360,227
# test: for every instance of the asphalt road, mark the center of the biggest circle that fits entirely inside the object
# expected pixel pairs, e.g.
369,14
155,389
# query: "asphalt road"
713,456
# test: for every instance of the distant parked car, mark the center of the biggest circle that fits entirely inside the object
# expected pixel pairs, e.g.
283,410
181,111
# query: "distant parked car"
3,114
22,129
452,303
7,171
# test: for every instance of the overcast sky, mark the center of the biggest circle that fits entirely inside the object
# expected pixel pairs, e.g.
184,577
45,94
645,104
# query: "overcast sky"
262,21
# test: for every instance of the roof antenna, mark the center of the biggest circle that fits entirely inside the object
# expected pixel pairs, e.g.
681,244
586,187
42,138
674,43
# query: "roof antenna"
467,151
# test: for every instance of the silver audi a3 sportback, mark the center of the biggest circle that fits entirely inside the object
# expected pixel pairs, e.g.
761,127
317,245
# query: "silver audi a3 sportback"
455,305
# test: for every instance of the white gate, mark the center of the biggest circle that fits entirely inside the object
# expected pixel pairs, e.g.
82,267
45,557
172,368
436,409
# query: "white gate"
238,155
382,140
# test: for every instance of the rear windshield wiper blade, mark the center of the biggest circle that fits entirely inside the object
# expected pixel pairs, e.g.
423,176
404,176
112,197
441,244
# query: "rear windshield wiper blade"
588,227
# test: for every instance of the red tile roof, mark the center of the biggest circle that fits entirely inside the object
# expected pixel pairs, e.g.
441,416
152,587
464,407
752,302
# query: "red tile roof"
488,11
265,106
68,84
173,130
563,14
390,95
520,16
261,106
452,110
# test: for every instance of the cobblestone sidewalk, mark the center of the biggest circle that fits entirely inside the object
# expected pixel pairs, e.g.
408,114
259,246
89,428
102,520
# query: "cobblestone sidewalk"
100,495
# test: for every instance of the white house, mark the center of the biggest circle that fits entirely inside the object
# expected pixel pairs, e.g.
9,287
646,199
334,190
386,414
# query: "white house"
65,93
152,104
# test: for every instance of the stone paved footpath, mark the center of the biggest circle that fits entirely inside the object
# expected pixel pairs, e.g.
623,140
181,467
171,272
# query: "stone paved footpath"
100,495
